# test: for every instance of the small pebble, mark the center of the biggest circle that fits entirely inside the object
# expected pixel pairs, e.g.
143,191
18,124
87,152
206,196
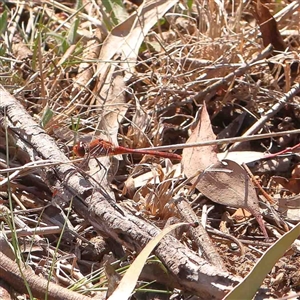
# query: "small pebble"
234,246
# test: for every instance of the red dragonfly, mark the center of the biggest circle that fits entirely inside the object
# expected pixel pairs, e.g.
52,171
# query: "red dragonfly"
100,147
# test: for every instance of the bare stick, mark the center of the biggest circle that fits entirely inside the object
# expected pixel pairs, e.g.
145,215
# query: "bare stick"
206,93
270,113
10,272
226,141
199,233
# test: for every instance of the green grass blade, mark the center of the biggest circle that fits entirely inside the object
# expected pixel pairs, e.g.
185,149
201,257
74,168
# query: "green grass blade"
128,282
115,10
3,22
47,115
74,27
249,286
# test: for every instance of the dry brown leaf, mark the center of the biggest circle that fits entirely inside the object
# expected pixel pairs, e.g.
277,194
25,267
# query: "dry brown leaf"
271,35
197,159
241,215
268,27
85,70
112,100
225,182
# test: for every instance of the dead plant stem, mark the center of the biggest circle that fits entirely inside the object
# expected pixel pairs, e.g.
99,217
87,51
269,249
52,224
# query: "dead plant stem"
225,141
271,112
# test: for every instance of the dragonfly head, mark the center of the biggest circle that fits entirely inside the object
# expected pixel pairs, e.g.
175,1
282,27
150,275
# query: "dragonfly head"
80,149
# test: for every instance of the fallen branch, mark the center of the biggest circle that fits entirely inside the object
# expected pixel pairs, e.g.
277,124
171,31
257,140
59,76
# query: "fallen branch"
192,272
10,272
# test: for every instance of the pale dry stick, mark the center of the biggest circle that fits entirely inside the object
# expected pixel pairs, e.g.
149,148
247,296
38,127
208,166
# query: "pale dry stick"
265,194
271,112
64,267
25,228
205,212
256,243
287,12
207,92
34,231
16,20
43,95
29,167
199,234
255,249
224,141
5,211
227,236
16,199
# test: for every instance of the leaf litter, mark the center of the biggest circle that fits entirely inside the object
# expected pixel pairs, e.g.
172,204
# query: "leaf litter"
142,84
224,182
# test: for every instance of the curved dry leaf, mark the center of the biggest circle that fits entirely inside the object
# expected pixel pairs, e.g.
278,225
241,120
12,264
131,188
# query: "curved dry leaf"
268,27
227,183
85,70
112,99
127,37
122,45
